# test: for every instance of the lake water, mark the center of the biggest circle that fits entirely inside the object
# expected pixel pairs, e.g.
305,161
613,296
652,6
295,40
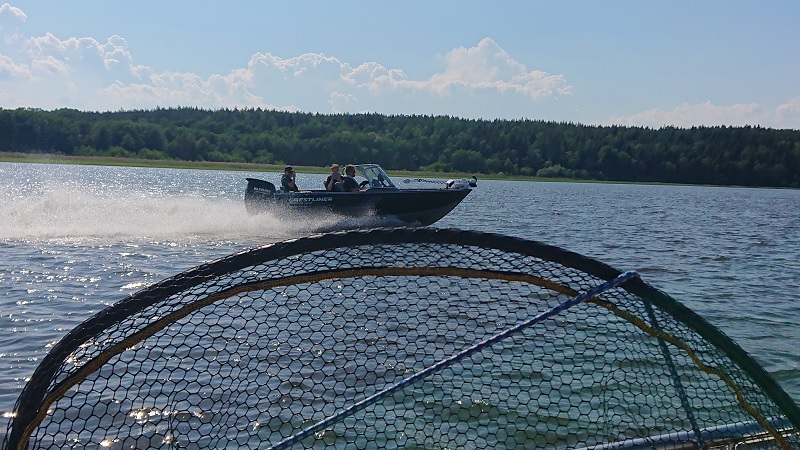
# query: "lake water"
75,239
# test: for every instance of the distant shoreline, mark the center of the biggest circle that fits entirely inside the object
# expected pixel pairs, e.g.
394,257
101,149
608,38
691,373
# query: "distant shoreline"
44,158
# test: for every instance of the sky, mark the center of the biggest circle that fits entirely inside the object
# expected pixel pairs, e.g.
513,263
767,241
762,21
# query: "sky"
627,62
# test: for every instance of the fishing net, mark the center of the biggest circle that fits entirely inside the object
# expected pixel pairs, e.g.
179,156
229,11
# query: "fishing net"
404,339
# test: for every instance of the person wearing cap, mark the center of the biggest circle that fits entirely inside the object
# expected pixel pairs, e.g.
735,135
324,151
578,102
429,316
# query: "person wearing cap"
287,180
334,181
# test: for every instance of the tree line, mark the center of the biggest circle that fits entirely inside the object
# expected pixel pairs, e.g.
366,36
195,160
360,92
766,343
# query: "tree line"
720,155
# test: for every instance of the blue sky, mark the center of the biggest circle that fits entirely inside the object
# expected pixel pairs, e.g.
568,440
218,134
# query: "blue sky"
644,63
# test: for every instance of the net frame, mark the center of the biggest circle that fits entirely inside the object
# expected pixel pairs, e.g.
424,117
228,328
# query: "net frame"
62,369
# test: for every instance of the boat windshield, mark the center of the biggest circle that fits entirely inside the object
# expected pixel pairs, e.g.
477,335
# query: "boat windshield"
375,175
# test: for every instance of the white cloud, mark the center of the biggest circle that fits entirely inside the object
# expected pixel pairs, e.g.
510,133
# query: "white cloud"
166,89
101,75
10,19
11,14
10,69
787,115
317,72
74,52
483,80
707,113
341,103
49,65
311,81
375,78
487,66
183,89
483,68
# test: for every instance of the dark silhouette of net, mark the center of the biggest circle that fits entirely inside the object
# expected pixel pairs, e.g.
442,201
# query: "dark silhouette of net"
404,339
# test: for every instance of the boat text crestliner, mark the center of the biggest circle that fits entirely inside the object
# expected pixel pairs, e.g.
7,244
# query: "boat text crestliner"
378,196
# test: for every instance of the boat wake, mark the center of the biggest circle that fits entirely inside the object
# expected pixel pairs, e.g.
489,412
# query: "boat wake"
72,215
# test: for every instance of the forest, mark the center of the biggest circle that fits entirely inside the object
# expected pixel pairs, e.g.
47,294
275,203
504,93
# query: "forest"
719,155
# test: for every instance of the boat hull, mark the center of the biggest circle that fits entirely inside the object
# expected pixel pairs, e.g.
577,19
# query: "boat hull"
412,206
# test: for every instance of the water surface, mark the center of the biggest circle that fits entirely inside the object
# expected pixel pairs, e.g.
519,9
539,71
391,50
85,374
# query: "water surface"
75,239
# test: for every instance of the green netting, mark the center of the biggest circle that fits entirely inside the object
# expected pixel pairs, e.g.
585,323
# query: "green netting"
400,339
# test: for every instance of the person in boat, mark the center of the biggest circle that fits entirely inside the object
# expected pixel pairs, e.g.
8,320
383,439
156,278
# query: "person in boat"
288,183
349,182
335,180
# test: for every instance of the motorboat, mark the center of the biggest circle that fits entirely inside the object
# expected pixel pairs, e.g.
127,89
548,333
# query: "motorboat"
378,196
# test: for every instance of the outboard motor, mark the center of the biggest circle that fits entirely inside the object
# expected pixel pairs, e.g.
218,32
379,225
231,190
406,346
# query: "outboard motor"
461,184
258,193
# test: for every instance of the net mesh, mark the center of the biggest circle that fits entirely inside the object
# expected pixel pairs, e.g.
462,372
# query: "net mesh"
404,338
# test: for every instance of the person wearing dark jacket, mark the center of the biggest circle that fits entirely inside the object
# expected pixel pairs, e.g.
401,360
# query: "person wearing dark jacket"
288,180
349,182
334,181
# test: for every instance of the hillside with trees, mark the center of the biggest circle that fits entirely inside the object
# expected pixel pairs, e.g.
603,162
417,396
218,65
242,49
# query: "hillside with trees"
744,156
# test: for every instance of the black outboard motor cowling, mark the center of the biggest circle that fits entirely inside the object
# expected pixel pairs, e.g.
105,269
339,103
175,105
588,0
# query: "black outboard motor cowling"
258,193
